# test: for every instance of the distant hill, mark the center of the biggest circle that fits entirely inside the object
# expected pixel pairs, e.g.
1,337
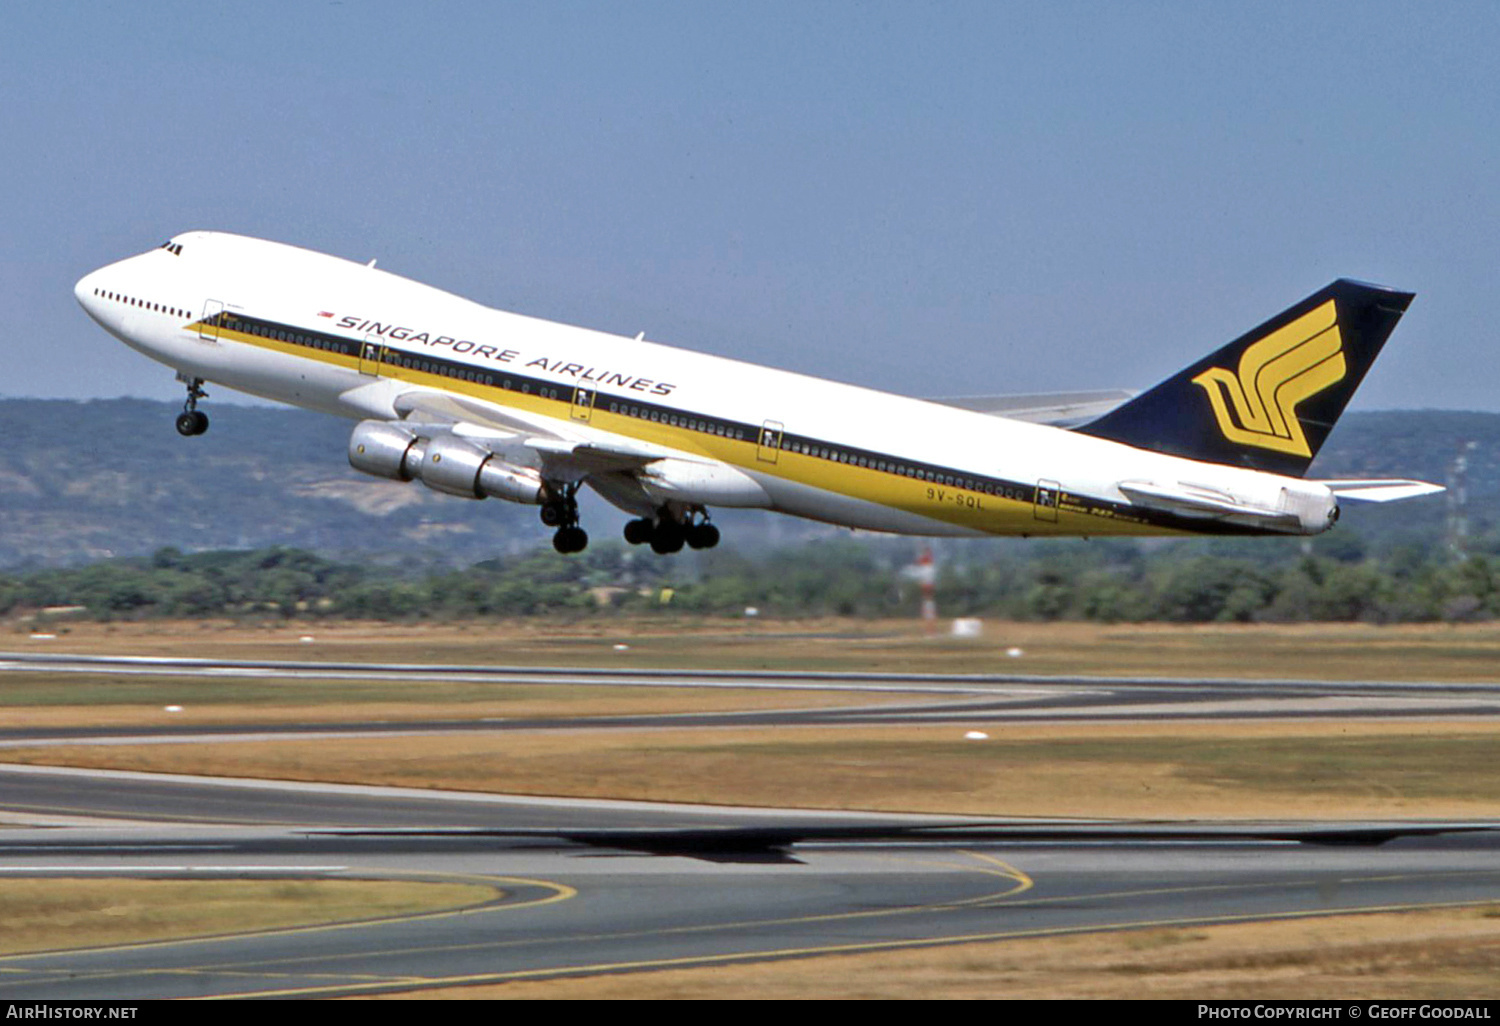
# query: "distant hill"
81,481
88,480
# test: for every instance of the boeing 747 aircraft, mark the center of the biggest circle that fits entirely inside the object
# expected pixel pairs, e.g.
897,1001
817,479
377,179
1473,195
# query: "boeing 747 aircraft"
476,402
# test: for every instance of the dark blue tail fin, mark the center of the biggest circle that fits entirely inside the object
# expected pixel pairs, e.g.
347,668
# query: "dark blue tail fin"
1268,399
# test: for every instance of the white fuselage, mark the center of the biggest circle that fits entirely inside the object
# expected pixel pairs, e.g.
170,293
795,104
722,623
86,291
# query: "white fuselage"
332,335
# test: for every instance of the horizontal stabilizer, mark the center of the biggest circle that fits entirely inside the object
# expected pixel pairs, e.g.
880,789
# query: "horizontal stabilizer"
1381,490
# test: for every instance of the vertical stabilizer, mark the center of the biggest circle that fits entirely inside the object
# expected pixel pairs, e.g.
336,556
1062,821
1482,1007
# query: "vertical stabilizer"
1268,399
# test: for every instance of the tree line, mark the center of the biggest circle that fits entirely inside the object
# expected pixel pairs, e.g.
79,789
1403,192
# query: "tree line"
1333,579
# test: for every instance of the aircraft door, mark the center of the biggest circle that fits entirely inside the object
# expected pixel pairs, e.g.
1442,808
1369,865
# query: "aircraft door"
370,355
1045,508
583,403
769,443
213,319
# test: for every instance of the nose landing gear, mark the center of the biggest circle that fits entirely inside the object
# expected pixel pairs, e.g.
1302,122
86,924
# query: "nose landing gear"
192,421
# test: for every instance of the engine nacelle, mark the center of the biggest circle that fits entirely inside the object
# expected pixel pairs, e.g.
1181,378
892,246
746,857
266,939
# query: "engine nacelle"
385,450
511,483
445,463
451,465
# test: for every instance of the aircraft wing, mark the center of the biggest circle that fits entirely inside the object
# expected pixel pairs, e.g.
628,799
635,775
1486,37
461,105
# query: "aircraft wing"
564,450
445,407
593,458
1056,409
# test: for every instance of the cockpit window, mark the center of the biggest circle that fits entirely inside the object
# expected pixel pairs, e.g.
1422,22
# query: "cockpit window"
175,248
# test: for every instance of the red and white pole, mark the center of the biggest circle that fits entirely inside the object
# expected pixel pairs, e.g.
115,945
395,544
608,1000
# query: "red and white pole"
927,575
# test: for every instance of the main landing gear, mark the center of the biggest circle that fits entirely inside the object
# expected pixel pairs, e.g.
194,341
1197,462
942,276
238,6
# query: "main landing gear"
192,421
666,534
562,513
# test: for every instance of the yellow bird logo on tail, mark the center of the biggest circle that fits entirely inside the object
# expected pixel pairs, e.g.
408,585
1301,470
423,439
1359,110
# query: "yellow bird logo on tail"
1291,364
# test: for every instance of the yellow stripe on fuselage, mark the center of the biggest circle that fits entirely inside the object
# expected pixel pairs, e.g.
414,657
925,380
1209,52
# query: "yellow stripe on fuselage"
974,510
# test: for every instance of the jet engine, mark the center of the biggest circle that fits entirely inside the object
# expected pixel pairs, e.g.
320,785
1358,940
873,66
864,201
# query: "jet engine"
442,462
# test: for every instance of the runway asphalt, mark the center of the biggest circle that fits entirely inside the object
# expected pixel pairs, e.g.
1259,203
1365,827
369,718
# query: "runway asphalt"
928,699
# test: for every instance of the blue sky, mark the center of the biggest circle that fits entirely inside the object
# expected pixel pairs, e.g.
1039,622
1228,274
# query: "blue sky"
936,199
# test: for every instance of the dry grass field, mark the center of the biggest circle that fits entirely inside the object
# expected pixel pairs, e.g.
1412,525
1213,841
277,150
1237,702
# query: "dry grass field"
1235,770
1443,955
40,915
1319,651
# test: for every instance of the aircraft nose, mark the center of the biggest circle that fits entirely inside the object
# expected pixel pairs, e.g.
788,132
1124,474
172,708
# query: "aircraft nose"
84,291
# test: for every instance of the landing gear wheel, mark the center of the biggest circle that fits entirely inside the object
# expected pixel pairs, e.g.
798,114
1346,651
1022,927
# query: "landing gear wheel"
702,536
570,539
667,538
191,422
561,512
638,532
